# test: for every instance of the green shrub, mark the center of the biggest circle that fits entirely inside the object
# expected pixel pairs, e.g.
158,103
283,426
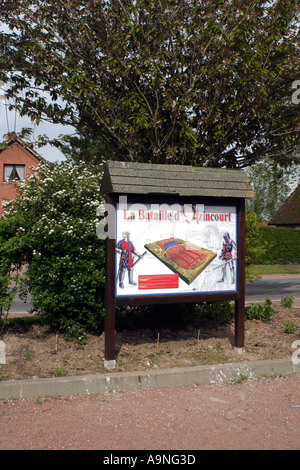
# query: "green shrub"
50,229
222,310
255,246
287,301
283,246
262,312
174,316
289,327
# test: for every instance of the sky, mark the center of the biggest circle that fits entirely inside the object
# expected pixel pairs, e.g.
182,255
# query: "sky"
10,121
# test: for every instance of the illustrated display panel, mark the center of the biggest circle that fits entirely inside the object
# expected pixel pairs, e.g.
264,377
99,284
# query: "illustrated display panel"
175,249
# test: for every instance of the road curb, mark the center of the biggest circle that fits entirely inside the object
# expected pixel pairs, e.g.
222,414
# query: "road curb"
125,381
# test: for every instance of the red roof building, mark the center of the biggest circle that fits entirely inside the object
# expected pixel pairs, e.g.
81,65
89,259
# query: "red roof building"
289,213
16,162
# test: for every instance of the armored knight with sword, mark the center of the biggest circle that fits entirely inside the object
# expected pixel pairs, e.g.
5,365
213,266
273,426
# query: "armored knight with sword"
227,256
126,248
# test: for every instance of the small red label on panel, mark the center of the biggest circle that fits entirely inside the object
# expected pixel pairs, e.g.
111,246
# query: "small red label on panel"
158,281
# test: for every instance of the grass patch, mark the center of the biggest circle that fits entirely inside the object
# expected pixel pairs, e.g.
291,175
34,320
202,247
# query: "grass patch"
59,372
274,269
22,321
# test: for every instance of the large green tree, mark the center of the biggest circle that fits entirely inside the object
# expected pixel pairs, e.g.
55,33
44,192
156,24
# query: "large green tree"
271,186
175,81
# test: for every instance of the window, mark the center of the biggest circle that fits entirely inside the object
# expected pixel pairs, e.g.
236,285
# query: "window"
13,172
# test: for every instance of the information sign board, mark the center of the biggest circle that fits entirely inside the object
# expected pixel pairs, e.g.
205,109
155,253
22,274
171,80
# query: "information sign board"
171,249
174,234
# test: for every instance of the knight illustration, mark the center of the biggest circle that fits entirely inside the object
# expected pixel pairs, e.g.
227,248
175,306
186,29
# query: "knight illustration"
127,250
228,248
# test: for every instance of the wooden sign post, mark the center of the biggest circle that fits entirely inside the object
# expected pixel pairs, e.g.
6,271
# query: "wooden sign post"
175,235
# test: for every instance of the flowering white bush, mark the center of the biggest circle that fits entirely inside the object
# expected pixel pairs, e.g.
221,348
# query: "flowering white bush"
51,228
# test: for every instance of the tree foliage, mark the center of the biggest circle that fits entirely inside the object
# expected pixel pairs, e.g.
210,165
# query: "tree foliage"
50,229
255,245
271,186
176,81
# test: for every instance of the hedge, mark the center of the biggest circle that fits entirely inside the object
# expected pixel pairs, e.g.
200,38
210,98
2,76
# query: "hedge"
282,246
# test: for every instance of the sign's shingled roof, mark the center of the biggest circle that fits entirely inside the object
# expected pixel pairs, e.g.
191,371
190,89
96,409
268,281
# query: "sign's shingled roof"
144,178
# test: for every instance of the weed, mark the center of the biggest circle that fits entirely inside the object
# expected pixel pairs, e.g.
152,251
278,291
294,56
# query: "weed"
60,372
240,379
289,327
215,357
102,368
265,375
28,355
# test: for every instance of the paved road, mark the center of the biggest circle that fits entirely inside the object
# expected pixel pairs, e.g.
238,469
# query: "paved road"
20,307
269,287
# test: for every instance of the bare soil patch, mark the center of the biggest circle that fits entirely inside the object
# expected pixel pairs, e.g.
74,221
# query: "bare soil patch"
35,351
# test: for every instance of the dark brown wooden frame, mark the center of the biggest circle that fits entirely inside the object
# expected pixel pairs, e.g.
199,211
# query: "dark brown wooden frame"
111,301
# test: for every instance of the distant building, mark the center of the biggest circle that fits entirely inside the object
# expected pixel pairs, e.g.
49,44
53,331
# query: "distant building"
16,162
289,213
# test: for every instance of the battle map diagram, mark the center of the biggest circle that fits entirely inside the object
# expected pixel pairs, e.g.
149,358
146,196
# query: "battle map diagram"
182,257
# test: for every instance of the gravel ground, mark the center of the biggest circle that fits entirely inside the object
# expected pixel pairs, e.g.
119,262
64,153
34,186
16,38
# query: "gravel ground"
257,414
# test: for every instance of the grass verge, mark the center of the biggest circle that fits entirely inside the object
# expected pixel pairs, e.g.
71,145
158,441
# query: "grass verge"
274,269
